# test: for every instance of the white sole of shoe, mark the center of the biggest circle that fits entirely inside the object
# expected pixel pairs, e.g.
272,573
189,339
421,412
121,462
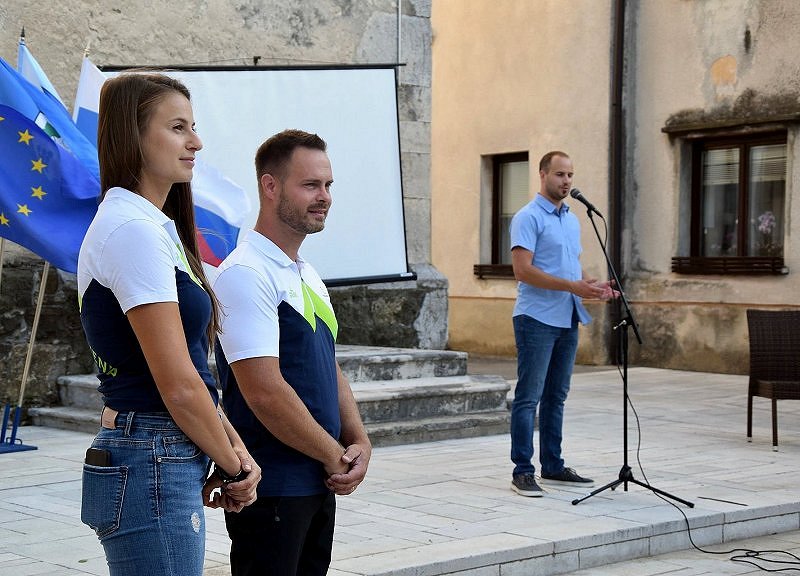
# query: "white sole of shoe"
528,493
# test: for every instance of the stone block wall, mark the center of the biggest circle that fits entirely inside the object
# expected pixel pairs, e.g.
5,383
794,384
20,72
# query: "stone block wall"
409,314
59,348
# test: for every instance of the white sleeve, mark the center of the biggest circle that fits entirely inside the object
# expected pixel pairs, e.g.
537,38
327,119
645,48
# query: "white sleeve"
248,304
138,264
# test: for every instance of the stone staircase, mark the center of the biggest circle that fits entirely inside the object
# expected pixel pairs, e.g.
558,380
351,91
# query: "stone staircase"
404,396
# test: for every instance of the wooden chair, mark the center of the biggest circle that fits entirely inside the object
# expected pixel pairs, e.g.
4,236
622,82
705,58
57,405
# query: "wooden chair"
774,361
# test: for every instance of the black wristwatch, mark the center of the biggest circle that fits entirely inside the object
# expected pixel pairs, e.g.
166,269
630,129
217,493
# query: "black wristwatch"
227,478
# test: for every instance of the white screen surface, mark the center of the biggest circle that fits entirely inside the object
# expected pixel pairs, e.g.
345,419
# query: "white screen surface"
355,111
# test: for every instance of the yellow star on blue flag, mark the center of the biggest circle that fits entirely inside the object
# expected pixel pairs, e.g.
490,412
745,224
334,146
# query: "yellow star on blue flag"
25,137
47,111
47,196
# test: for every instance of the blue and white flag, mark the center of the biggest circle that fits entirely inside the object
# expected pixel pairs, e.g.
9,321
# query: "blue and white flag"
87,100
33,73
220,205
27,95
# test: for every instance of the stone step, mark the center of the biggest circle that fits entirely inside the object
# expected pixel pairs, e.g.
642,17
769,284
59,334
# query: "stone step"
451,394
420,398
66,418
380,433
358,363
80,391
404,395
365,363
379,400
394,412
439,428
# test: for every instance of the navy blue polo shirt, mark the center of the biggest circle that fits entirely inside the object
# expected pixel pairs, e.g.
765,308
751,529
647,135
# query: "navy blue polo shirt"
132,255
272,306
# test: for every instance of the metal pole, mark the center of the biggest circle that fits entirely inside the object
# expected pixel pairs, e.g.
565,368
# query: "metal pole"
399,20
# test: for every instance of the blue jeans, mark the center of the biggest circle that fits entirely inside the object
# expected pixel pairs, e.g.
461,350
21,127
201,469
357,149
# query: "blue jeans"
146,507
545,357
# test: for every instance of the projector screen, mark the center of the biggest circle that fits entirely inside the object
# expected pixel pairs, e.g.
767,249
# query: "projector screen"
354,109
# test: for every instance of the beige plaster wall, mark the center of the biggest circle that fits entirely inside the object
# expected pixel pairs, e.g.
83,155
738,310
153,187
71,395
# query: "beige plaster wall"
483,326
709,70
510,76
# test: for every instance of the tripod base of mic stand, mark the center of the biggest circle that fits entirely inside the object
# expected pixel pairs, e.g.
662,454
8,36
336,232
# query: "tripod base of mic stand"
625,476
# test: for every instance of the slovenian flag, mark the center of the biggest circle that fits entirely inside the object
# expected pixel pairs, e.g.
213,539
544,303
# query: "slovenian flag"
29,68
87,100
220,207
220,204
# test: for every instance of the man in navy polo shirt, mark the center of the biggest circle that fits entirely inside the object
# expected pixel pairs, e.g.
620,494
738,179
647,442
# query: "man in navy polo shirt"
282,387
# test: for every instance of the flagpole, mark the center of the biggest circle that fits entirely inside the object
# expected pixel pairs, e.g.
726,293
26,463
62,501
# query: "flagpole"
34,327
11,445
2,254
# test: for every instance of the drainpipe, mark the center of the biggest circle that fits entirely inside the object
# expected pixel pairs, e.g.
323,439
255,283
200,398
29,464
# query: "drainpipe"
616,163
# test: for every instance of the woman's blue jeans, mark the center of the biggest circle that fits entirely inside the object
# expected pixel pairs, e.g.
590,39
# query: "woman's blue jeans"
545,357
146,507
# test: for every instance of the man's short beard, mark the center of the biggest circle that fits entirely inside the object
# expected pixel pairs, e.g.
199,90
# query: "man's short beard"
292,217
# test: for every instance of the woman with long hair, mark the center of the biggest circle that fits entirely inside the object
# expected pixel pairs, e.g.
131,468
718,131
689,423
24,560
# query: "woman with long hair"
149,314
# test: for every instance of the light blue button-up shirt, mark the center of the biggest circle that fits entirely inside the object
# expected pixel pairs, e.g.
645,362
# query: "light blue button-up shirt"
554,237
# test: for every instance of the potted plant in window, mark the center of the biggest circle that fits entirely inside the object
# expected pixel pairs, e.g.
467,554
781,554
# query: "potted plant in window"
767,246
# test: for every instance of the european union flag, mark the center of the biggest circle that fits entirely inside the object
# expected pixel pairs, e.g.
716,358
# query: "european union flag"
48,113
47,196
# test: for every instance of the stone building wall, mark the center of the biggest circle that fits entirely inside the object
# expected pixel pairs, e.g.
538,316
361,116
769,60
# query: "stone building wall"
511,77
229,32
733,64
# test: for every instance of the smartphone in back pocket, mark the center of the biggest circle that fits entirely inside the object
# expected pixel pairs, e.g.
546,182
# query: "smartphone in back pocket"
98,457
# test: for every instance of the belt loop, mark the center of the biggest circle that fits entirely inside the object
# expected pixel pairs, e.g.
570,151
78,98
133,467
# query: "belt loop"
129,423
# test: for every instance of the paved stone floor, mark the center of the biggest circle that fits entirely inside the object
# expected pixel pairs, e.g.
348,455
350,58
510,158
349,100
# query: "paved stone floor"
446,507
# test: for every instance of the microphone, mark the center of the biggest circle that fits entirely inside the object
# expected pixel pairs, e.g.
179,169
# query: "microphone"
575,193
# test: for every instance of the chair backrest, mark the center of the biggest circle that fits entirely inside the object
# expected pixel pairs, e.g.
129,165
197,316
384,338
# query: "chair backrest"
774,344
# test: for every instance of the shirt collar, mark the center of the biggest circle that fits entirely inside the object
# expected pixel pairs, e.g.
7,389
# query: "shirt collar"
139,202
271,250
548,206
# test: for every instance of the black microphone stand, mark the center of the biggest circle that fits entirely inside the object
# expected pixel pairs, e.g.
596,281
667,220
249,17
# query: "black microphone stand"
625,473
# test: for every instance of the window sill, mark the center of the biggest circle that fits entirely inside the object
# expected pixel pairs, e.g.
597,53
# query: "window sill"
744,265
502,271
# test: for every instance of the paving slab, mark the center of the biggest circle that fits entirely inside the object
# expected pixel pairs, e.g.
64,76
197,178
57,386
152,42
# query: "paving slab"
445,507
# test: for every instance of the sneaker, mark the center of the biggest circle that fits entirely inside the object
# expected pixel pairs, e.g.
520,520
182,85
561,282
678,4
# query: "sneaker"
568,476
525,485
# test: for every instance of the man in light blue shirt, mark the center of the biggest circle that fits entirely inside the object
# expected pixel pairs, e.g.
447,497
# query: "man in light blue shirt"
545,251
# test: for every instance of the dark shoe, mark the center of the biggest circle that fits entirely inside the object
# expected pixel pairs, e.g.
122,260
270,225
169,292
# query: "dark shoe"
525,485
568,476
